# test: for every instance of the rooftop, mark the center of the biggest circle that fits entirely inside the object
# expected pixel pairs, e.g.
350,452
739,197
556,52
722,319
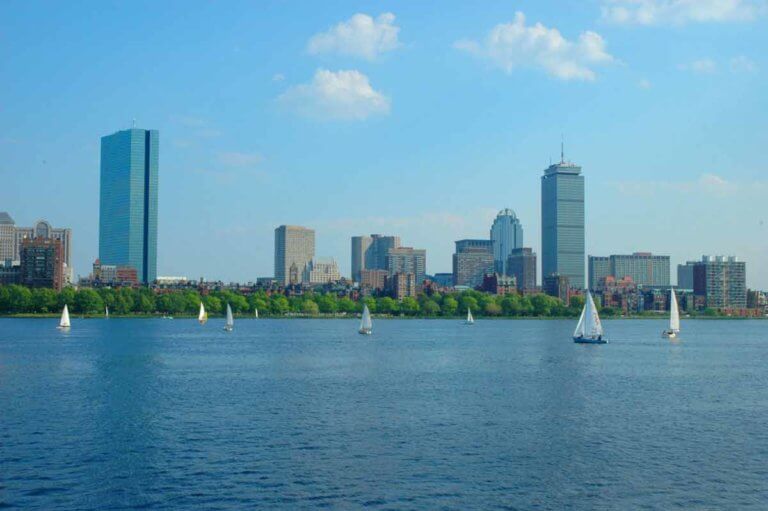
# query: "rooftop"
6,219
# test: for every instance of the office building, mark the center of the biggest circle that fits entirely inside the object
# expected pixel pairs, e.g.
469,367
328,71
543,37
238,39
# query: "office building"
685,275
472,261
498,284
373,279
562,222
128,203
443,279
294,248
721,281
113,275
11,238
506,236
557,286
42,264
7,238
370,253
321,270
644,268
407,260
521,264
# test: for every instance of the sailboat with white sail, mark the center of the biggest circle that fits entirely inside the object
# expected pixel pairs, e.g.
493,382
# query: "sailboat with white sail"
202,316
470,320
366,325
589,330
230,324
106,312
674,317
64,323
256,313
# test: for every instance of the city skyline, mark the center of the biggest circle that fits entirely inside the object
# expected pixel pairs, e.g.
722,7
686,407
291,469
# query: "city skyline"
241,155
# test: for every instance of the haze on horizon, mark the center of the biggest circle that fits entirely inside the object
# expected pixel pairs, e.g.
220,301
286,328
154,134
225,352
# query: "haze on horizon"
396,118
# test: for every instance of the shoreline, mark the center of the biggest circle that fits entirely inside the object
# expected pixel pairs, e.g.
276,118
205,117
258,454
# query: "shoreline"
357,316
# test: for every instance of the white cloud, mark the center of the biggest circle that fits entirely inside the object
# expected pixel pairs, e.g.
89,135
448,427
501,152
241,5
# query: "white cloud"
339,95
742,64
237,159
360,36
514,45
644,84
676,12
278,77
706,184
701,66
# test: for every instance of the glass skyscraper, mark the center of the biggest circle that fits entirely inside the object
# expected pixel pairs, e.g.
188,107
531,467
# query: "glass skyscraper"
506,236
562,222
128,204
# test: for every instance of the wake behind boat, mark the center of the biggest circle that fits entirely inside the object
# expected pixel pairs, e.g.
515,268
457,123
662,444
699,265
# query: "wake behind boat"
589,330
366,325
674,317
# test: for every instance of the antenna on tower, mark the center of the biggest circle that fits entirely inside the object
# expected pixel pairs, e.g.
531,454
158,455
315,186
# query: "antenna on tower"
133,123
562,148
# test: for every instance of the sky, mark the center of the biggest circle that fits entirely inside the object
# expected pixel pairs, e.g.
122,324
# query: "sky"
417,119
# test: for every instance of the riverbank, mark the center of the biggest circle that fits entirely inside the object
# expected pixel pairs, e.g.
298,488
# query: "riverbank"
356,316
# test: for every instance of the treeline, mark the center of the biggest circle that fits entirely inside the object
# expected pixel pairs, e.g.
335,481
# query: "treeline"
125,301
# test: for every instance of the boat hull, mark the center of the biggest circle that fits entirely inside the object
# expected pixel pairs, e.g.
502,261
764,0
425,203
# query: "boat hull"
669,334
364,332
589,340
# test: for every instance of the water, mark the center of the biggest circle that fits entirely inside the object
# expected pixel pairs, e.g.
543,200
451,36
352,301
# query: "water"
299,414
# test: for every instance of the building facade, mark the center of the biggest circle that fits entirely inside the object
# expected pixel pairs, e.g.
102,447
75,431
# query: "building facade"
373,279
506,236
321,270
722,281
685,275
128,201
370,253
521,264
7,238
42,264
644,268
11,238
407,260
294,249
562,223
472,261
557,286
401,285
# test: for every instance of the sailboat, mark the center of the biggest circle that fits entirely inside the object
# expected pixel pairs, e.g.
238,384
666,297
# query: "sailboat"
64,322
366,325
106,312
230,320
202,316
470,320
674,317
589,330
256,313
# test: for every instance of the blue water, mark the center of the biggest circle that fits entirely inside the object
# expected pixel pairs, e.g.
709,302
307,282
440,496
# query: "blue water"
301,414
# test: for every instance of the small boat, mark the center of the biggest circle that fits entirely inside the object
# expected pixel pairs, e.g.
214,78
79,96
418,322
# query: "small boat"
230,324
256,313
366,325
202,316
589,330
470,320
106,312
64,322
674,317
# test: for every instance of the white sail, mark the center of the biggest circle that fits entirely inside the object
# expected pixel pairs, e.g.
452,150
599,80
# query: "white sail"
592,326
366,325
256,312
674,313
64,322
579,332
202,316
470,319
106,311
230,320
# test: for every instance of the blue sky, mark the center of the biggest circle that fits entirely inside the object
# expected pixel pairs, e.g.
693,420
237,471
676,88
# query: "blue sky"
411,118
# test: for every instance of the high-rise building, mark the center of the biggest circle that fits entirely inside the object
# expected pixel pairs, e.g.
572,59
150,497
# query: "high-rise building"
506,236
685,275
294,249
401,285
562,222
472,261
42,264
643,268
373,279
557,286
7,238
44,230
407,260
598,268
128,206
521,264
722,281
321,270
370,253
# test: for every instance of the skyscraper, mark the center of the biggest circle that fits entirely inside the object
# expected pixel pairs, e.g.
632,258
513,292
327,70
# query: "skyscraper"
407,260
472,260
7,237
644,268
562,222
506,235
128,205
721,281
522,264
294,247
370,253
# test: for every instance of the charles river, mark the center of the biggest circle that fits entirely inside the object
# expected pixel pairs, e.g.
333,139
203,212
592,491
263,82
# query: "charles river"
424,414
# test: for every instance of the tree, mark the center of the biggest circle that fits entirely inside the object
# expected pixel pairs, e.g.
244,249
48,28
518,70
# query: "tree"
327,303
370,302
19,299
430,308
386,305
44,300
467,302
278,304
409,306
347,306
212,304
449,306
492,309
88,301
238,303
309,307
66,296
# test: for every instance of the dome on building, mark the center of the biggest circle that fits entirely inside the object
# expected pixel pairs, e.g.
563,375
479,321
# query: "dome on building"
506,212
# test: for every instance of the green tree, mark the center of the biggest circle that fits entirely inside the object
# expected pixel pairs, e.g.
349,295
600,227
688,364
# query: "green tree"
370,302
5,299
327,303
409,306
19,299
66,296
309,307
44,300
278,304
386,305
449,306
430,308
467,302
346,305
212,304
88,301
492,309
239,303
